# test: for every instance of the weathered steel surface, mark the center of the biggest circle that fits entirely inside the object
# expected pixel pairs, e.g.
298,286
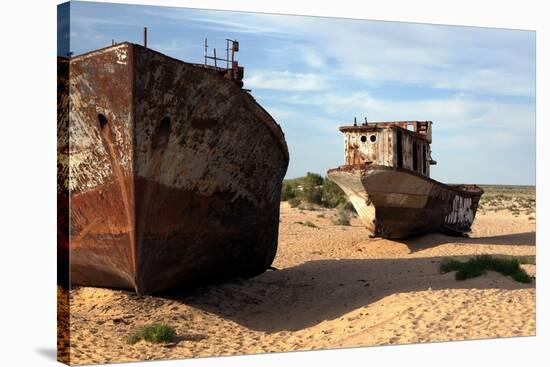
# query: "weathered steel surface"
62,171
175,173
376,143
101,163
63,303
209,166
397,203
386,178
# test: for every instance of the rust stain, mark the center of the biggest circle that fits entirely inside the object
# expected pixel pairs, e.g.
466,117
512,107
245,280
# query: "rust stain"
171,157
386,176
375,143
127,193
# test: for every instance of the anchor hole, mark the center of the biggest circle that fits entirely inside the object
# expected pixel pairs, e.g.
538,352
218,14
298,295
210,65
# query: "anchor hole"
161,135
102,121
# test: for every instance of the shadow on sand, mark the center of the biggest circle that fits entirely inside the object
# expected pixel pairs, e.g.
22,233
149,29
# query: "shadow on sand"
432,240
305,295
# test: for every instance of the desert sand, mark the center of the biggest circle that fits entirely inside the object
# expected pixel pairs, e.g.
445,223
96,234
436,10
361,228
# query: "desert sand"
335,288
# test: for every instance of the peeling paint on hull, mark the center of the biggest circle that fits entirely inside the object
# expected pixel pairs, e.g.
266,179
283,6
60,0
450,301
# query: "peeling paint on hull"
174,173
397,203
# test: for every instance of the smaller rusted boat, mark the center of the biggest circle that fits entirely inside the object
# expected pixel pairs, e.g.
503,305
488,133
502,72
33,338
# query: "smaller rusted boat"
387,179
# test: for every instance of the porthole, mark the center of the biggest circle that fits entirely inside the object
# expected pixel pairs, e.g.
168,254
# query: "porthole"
102,120
160,137
364,139
164,126
373,138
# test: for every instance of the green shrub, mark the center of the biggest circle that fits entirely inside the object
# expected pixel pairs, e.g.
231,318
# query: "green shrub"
307,223
349,207
312,188
332,194
294,202
155,333
287,191
307,206
479,265
527,260
342,217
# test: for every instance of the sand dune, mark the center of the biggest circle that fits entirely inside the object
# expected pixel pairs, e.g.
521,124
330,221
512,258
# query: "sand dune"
335,287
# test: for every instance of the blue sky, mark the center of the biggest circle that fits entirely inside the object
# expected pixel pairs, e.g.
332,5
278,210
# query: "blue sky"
315,74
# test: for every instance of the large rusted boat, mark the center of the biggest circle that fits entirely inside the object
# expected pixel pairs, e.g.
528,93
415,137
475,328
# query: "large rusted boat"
169,173
386,177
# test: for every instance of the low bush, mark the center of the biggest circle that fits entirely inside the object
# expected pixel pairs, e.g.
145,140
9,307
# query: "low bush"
313,189
479,265
342,217
156,333
294,202
307,223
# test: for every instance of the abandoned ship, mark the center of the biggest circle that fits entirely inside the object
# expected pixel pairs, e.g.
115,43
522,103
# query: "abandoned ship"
169,173
386,177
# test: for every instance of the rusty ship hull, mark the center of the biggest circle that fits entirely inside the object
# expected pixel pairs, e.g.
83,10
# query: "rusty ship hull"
397,203
172,172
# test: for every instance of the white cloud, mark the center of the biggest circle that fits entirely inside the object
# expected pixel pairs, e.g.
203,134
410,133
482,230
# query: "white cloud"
454,114
291,119
285,80
489,61
313,58
174,48
479,60
224,21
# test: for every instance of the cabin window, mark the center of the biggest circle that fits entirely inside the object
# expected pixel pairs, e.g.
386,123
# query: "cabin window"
415,157
399,148
373,138
364,139
102,121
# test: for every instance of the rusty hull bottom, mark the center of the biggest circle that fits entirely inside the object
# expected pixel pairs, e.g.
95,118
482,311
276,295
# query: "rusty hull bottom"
182,238
63,240
397,203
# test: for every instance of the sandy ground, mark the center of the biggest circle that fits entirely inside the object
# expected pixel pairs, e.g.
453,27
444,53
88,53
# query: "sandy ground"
335,287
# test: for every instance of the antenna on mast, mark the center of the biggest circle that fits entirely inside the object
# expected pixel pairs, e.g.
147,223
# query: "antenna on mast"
206,51
145,37
227,53
232,69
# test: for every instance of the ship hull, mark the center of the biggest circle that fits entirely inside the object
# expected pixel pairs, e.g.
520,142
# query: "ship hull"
173,173
397,203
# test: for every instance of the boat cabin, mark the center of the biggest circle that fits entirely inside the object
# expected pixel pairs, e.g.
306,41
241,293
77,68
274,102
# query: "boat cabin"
404,144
